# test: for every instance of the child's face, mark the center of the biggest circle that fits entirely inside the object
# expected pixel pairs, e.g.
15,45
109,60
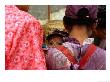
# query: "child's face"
55,42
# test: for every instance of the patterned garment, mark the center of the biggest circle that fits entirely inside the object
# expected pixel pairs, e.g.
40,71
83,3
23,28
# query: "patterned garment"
56,60
23,41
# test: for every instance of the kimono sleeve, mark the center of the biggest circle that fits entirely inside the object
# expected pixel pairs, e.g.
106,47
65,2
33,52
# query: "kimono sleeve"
26,51
56,60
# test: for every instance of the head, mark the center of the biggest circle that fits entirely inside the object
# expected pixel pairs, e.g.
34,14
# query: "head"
79,21
23,7
79,25
54,40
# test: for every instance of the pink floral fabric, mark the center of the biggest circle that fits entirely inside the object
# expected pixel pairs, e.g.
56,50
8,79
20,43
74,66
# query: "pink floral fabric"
23,41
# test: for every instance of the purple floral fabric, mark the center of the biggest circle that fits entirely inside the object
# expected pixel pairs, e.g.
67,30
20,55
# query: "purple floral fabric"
56,60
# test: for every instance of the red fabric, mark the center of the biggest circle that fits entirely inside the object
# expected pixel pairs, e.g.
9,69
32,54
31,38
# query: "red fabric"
68,54
23,41
91,49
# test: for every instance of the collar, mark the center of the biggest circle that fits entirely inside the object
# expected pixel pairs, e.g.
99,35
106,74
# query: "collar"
74,40
88,41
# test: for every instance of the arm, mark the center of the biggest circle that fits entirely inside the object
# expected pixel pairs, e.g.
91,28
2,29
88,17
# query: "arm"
26,52
33,39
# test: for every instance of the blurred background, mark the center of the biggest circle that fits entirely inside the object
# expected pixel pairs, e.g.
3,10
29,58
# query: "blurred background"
51,16
41,12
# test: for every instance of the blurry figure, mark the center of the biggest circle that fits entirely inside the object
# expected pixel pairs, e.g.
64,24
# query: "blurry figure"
23,40
78,52
56,38
100,39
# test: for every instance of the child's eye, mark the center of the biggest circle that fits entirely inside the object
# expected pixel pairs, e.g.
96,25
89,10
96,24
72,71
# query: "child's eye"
60,43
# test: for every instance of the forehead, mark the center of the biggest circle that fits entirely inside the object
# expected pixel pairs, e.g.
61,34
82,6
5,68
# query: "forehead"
56,38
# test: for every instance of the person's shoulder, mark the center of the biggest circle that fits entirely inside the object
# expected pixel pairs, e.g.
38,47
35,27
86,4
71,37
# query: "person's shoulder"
52,50
13,13
28,17
100,51
69,43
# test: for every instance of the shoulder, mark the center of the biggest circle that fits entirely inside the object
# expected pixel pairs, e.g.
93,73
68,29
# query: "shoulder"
69,44
19,16
99,58
53,51
100,51
99,54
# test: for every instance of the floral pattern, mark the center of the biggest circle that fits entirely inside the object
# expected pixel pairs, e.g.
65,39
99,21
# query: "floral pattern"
23,41
56,60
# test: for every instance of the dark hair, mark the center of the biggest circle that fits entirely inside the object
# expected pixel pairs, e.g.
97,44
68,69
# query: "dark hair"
51,36
64,34
70,22
101,16
101,24
82,13
82,19
57,33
